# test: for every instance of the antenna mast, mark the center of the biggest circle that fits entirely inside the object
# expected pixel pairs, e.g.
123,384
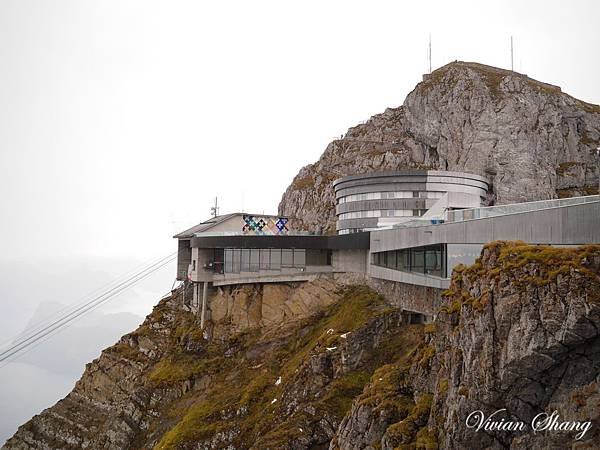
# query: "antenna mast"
214,210
511,54
429,53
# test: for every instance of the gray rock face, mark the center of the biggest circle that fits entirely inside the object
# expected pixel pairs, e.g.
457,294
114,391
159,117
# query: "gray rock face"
518,334
531,140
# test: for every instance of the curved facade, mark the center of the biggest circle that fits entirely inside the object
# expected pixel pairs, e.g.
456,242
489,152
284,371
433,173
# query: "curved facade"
375,200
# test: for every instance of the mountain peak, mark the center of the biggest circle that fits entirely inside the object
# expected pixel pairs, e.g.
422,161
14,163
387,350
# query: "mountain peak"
533,141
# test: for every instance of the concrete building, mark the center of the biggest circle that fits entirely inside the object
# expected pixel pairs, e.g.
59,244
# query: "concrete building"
376,200
415,257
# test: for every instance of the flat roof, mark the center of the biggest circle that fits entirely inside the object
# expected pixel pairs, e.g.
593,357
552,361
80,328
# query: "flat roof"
406,173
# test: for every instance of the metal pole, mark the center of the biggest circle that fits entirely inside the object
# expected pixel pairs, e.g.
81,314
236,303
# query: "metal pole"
598,155
511,54
204,295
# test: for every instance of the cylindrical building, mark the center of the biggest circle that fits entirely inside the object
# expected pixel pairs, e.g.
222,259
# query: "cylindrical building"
375,200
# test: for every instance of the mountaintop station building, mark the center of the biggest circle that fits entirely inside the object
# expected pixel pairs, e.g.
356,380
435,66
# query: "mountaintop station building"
407,228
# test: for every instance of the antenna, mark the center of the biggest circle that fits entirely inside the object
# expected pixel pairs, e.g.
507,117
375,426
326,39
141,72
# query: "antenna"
429,53
214,210
511,54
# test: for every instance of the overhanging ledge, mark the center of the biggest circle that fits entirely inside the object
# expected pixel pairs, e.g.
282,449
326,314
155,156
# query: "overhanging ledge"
338,242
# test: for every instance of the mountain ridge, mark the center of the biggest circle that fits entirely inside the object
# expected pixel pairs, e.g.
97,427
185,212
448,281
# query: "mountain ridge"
530,139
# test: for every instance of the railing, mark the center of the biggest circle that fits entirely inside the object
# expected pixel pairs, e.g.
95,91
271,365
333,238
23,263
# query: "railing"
501,210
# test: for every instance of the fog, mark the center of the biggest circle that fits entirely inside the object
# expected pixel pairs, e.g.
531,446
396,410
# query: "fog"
120,121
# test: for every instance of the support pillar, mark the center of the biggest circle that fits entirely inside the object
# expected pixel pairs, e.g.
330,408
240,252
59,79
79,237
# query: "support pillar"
203,313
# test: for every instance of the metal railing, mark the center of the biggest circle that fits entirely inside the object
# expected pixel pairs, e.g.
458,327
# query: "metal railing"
460,215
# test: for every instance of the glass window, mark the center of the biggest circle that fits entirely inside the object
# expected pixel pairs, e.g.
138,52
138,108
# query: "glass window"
417,261
433,261
228,260
287,257
265,258
275,258
236,260
299,258
254,260
245,267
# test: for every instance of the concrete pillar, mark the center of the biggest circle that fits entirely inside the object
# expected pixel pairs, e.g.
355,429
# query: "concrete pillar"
204,295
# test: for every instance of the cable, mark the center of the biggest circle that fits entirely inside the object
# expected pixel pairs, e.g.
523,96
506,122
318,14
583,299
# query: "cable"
75,313
24,350
46,320
23,343
48,330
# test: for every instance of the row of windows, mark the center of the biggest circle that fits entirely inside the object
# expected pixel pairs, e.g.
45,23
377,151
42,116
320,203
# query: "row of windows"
350,230
255,259
430,260
387,195
382,213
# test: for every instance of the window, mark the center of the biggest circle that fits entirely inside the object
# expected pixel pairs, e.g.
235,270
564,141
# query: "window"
287,257
237,255
228,260
275,259
299,258
265,259
254,260
245,260
430,260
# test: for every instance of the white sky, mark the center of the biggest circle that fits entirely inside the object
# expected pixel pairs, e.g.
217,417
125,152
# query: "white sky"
121,120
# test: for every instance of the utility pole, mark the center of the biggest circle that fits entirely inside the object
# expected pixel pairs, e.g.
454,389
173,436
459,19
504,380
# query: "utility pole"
511,55
214,210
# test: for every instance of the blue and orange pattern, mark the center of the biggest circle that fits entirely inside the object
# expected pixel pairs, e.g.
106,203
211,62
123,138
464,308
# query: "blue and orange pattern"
265,225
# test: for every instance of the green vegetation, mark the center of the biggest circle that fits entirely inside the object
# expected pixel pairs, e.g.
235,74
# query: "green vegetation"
303,183
526,266
406,432
246,399
566,167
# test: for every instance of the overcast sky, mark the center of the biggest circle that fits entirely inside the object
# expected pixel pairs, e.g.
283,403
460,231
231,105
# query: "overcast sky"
120,121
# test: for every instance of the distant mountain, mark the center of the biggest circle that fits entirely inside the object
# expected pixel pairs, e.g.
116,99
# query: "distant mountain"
47,372
530,139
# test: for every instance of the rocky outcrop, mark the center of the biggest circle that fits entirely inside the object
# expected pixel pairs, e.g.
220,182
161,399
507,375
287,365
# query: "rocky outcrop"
529,139
518,333
277,367
271,304
322,365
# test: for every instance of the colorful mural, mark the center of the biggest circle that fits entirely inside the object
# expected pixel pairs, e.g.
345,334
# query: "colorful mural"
261,225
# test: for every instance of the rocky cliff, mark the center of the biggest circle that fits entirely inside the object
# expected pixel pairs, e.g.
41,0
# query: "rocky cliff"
530,139
319,365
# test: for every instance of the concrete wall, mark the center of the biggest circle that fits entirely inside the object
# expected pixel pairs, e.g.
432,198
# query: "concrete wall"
354,261
408,277
202,256
577,224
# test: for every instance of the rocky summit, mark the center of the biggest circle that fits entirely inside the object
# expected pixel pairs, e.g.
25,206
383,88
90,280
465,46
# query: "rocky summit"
532,141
